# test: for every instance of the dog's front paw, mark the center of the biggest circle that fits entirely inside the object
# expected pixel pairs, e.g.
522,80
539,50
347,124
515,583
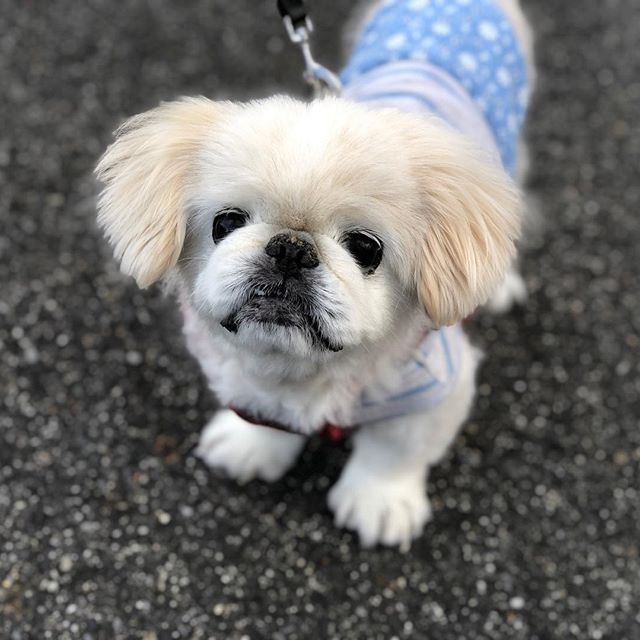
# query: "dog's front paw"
245,451
388,510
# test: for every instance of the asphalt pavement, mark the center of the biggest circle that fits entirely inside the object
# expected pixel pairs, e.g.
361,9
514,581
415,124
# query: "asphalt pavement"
111,529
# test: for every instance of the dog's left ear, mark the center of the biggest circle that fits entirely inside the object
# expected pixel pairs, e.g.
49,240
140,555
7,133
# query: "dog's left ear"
145,174
474,214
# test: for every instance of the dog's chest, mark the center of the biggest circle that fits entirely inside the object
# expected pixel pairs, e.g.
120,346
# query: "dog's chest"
362,391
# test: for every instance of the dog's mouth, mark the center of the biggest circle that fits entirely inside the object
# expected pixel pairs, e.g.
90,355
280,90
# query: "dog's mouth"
275,307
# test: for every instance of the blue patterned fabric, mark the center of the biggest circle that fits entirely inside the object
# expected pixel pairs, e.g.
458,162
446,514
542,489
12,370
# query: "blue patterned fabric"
421,384
472,41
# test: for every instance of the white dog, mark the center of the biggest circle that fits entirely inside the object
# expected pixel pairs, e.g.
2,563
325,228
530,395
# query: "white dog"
324,252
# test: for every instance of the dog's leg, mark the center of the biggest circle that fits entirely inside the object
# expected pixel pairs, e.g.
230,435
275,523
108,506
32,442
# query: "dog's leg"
245,451
512,290
381,493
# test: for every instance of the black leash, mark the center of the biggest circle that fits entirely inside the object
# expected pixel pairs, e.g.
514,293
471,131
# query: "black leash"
295,10
299,27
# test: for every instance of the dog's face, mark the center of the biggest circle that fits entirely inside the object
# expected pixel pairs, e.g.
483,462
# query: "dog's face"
307,229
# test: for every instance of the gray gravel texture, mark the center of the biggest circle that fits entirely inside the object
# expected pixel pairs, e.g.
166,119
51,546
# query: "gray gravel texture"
110,528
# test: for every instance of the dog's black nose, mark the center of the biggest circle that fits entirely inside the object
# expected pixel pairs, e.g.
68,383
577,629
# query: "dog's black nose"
291,253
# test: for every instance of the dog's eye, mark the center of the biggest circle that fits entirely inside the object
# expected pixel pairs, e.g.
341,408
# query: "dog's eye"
365,248
227,221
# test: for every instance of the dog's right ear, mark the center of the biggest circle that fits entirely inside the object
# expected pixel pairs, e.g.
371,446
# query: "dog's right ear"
145,174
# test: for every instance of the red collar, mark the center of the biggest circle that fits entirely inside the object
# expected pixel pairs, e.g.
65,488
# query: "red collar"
330,432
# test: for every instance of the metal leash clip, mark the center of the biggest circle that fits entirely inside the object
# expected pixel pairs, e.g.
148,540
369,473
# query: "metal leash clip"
299,27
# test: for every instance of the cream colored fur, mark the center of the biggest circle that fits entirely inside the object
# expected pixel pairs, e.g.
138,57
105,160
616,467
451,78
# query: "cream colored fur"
469,241
145,171
448,219
451,216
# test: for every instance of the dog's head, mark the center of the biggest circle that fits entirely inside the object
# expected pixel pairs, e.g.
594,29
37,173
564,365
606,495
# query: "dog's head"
307,228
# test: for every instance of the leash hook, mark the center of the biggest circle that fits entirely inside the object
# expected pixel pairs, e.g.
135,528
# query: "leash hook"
299,27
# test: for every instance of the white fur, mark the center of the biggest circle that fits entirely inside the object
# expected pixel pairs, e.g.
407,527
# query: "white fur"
512,290
245,451
448,220
381,492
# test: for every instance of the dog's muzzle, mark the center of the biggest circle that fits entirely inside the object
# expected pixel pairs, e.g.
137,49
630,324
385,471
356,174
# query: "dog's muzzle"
283,291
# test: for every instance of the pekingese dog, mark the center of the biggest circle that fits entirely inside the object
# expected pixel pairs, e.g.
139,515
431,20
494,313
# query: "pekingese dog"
324,253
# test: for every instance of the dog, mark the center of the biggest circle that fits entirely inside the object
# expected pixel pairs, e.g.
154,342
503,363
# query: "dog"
324,253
